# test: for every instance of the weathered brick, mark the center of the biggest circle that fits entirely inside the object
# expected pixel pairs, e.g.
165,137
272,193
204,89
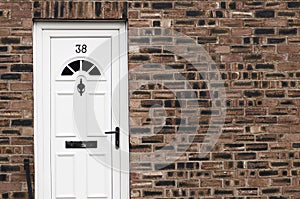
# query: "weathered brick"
258,165
275,40
193,13
256,147
264,13
292,31
264,66
162,5
152,193
188,183
165,183
268,173
264,31
22,122
10,40
245,156
223,192
166,166
8,168
253,93
294,4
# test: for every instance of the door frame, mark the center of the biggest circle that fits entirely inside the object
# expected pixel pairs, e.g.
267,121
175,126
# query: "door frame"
42,96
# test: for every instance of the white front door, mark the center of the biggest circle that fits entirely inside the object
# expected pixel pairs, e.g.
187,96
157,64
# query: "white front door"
81,130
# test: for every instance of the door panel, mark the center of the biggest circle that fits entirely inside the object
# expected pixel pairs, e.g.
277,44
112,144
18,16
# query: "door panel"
81,92
97,188
64,125
100,121
65,175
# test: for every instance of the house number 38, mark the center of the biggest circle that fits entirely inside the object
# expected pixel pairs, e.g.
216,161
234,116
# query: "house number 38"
81,48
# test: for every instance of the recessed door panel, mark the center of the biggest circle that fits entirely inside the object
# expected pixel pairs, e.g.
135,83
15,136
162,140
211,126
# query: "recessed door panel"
65,175
64,125
100,120
95,188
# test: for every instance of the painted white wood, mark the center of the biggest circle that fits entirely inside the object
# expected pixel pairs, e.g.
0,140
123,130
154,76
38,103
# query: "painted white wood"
79,173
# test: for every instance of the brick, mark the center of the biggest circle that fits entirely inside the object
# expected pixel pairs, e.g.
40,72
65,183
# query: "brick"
4,140
271,191
153,139
268,173
293,93
8,168
294,4
221,156
162,5
25,122
245,156
253,93
21,86
204,40
264,66
275,94
258,165
286,14
288,49
9,58
19,194
98,9
265,31
248,191
165,183
4,31
10,40
275,40
240,49
281,182
193,13
211,183
140,148
231,58
265,14
211,165
291,190
223,192
21,68
22,140
170,166
292,31
188,183
152,193
4,187
3,177
3,49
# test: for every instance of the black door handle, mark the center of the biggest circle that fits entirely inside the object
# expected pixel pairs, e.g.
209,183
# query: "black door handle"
117,138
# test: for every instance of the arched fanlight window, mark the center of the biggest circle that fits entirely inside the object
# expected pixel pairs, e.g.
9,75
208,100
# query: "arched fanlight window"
80,65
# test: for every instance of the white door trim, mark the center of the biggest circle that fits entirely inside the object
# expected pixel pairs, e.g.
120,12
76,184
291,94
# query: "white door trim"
41,43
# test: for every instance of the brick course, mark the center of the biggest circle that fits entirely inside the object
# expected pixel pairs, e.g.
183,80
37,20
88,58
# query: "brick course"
255,46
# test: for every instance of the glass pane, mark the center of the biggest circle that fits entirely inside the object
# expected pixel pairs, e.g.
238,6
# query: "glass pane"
94,71
75,65
86,66
66,72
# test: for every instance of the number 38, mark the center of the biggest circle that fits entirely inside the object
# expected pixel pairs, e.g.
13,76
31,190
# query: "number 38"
81,48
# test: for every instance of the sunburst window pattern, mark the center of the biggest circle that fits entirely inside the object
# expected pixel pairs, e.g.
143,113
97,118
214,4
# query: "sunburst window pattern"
81,65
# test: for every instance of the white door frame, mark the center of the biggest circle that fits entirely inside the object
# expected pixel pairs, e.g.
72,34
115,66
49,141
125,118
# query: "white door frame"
42,32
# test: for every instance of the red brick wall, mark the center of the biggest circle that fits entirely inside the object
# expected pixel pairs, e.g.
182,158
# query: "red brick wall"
255,48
